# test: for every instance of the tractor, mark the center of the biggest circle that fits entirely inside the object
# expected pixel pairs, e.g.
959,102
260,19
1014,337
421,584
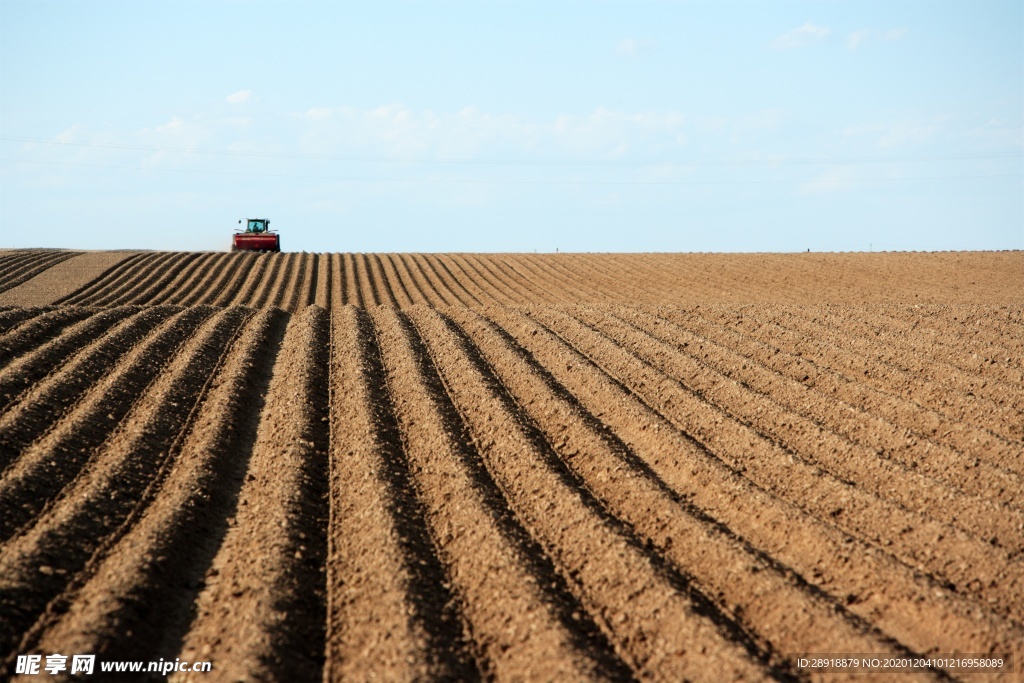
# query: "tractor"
256,237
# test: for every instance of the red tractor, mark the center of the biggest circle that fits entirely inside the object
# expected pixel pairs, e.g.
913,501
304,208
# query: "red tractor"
256,237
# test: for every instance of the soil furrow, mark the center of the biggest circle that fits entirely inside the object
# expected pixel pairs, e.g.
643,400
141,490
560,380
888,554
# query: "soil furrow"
492,293
812,441
328,289
971,564
533,279
262,614
420,291
954,345
27,271
112,485
220,277
59,453
953,351
338,296
525,274
829,403
156,271
241,290
159,273
119,280
294,297
443,275
11,264
949,392
311,288
170,281
191,281
135,599
918,330
14,259
317,285
915,609
45,404
514,605
11,318
101,281
458,278
827,364
286,282
269,280
390,609
188,288
1006,321
382,283
30,369
657,621
996,325
368,287
554,273
43,327
509,285
430,286
353,295
762,595
397,283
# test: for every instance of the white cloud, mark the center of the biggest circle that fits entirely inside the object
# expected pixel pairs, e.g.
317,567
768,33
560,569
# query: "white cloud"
397,130
633,47
175,124
856,38
803,35
894,135
864,35
240,97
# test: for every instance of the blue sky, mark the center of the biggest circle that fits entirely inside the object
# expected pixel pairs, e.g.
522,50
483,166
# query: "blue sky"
514,126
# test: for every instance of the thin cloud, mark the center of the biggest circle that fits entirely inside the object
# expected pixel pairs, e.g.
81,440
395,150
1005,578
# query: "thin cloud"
240,97
633,47
396,129
863,36
895,135
856,38
801,36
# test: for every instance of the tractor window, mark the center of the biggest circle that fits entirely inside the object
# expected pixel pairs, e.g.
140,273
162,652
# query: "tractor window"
255,226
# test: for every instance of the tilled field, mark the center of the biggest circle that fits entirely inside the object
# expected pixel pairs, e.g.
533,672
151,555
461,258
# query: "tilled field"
517,467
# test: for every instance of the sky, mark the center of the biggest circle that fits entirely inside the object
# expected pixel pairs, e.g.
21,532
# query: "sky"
514,126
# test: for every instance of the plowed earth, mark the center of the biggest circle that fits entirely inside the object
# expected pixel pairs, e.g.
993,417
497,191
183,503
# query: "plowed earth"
307,467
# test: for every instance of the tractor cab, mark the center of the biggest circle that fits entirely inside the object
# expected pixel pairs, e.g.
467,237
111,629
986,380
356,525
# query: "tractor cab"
257,225
256,236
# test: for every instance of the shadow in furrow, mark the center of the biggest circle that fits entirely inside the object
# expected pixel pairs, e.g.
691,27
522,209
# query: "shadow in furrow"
433,602
642,469
27,492
11,318
702,604
299,641
162,613
567,608
34,608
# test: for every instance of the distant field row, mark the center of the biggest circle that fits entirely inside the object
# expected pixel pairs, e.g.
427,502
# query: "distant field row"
293,281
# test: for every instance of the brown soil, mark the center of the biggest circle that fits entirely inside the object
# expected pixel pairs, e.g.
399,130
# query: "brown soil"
47,276
306,467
